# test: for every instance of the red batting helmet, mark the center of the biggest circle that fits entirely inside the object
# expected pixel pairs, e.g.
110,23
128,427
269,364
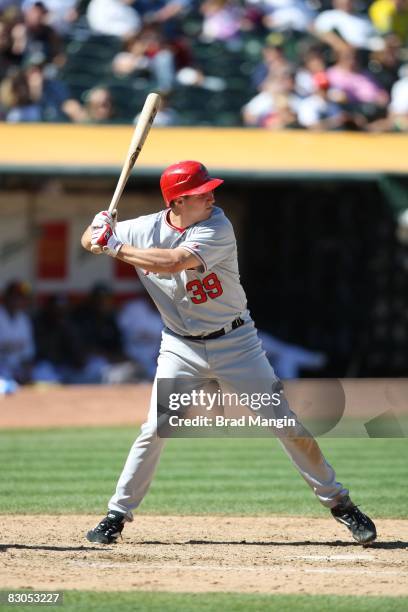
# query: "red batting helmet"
186,178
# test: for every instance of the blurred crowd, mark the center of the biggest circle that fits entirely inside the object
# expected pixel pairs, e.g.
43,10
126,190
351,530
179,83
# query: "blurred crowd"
86,341
95,340
273,64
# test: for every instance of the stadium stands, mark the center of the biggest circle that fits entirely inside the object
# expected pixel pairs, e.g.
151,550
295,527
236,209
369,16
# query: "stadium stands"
223,63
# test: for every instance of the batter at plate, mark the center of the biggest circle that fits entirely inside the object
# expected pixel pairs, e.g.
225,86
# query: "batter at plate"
186,257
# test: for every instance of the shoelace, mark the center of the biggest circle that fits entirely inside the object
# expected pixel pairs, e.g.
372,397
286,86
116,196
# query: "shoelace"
356,515
108,526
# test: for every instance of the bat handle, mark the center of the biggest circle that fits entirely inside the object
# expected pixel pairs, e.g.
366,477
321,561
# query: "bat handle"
95,248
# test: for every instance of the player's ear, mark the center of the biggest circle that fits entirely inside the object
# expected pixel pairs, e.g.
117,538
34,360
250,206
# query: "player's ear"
178,204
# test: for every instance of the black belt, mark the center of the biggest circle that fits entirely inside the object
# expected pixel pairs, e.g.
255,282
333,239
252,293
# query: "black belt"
221,332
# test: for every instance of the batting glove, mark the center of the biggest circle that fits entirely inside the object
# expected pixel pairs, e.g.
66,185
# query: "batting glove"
104,218
105,238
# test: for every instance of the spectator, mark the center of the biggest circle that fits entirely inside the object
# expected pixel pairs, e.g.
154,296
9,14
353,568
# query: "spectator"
141,328
391,16
80,347
15,99
147,54
61,14
98,106
397,116
161,11
356,89
384,65
132,60
113,18
221,20
277,95
16,334
287,15
318,111
273,64
7,58
313,63
283,115
341,27
399,95
50,93
168,14
34,35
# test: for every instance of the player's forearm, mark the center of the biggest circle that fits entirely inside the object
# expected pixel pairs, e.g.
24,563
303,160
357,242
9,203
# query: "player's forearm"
156,260
333,40
86,238
153,259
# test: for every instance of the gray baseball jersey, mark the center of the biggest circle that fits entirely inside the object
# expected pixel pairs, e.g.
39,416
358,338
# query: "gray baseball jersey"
192,302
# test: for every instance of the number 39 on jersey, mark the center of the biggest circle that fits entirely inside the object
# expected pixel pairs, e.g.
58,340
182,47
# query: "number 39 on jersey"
208,287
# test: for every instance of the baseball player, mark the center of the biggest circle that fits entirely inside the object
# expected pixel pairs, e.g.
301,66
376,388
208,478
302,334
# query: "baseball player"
186,257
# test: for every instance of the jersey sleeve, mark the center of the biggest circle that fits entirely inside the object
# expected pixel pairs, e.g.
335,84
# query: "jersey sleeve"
211,244
126,231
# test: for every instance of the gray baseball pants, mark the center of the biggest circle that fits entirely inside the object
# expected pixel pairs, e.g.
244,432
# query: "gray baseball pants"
236,361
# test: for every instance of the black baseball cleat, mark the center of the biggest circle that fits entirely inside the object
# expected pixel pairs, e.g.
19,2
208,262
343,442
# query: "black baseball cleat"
109,529
361,526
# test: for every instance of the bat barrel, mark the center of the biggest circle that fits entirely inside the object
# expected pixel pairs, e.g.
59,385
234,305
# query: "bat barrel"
144,123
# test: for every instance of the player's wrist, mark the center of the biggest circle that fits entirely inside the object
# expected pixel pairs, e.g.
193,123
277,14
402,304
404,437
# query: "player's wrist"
113,246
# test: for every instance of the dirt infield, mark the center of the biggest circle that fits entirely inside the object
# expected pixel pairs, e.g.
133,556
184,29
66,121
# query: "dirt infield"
198,554
63,406
76,406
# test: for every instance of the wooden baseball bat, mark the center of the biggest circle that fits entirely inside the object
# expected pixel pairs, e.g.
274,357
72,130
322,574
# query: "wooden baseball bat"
145,121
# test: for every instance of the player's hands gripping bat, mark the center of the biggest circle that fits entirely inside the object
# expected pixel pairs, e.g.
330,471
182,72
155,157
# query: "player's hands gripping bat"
149,111
103,233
